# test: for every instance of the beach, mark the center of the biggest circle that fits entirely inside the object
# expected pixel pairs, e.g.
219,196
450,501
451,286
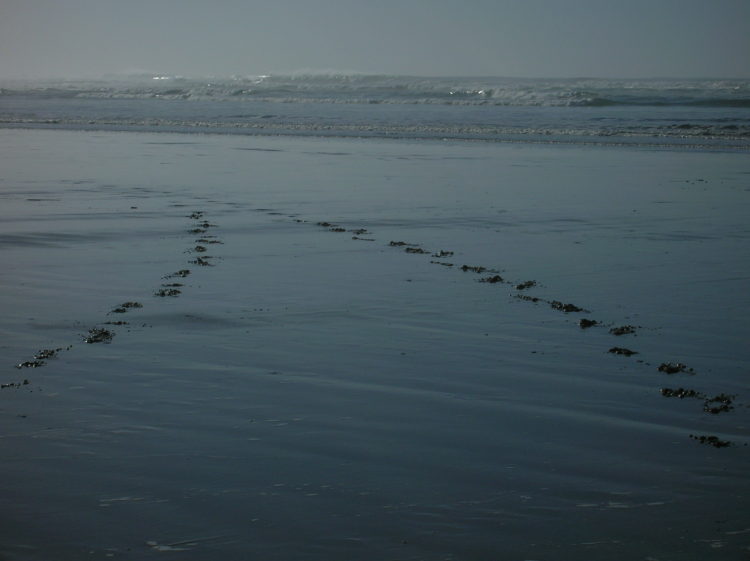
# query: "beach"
372,349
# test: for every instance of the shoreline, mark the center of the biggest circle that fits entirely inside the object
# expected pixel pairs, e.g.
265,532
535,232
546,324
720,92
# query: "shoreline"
260,131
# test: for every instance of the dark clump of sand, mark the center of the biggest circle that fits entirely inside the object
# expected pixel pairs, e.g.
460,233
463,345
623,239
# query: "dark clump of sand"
473,268
30,364
182,273
623,330
125,306
682,393
721,403
493,279
14,384
621,351
567,308
674,368
99,335
714,441
163,292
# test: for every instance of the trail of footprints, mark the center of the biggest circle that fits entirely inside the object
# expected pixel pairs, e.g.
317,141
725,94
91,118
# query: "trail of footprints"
101,334
721,403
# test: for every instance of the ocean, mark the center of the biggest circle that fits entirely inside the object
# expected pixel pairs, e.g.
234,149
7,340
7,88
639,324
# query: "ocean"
702,113
377,318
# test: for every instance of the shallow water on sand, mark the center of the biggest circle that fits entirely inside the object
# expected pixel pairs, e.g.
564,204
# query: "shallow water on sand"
315,396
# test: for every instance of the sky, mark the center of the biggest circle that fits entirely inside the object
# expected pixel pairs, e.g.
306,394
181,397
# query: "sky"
516,38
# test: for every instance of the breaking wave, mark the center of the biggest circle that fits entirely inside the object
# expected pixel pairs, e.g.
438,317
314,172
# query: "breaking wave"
383,89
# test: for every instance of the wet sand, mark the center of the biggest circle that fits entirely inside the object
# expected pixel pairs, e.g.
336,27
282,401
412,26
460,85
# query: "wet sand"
231,348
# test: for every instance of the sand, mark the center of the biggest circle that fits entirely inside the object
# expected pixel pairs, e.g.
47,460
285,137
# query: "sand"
316,392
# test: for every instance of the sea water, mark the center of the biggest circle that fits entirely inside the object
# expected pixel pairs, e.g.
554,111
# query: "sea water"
682,112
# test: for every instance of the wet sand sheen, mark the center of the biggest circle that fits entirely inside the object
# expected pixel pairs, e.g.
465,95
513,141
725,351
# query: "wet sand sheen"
364,367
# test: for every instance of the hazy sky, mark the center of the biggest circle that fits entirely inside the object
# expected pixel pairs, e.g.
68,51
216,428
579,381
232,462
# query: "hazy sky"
524,38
